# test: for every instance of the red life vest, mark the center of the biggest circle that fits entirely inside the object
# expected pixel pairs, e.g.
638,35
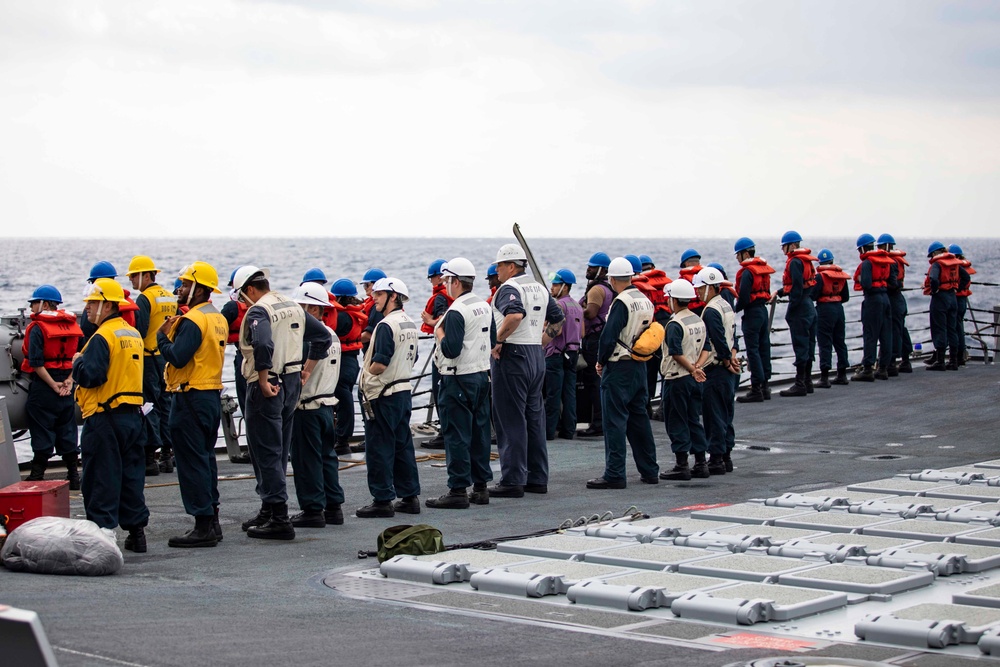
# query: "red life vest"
834,279
429,308
183,308
761,272
948,278
651,283
901,264
62,335
234,328
808,270
330,314
367,305
881,263
351,342
967,290
688,273
489,299
128,310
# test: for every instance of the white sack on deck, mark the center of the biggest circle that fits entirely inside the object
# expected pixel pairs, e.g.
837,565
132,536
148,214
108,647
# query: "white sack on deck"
55,545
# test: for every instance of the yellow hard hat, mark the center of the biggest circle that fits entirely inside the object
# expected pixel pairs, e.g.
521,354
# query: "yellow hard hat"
141,264
106,289
202,273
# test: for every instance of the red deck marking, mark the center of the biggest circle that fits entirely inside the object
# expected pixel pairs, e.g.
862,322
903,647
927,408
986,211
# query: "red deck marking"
751,640
693,508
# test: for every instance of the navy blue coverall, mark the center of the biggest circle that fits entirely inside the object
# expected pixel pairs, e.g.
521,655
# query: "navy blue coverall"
800,316
756,333
683,398
153,389
831,327
717,400
876,317
943,314
51,417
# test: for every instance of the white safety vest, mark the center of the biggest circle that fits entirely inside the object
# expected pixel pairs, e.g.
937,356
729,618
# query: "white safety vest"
640,316
318,389
692,344
535,299
719,305
475,354
395,378
288,327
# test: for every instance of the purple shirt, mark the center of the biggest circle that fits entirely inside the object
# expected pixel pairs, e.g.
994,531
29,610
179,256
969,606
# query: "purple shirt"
568,339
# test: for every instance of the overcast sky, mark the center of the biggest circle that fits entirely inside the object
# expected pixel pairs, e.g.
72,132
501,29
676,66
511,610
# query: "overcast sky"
573,117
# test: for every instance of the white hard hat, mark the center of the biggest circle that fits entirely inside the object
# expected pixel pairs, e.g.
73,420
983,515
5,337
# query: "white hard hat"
391,284
620,268
681,289
311,294
710,276
460,267
245,273
511,252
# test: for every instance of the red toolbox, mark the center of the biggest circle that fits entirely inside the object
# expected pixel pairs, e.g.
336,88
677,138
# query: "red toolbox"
24,501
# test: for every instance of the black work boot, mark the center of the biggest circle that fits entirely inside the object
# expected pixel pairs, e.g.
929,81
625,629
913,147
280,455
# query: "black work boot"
864,374
152,467
278,527
408,505
893,369
841,377
727,460
681,472
455,499
136,540
305,519
952,364
716,464
799,387
700,468
824,379
931,360
216,526
263,516
39,464
904,365
480,494
166,463
378,509
343,448
882,373
937,361
766,390
202,535
334,514
72,471
437,442
755,395
807,378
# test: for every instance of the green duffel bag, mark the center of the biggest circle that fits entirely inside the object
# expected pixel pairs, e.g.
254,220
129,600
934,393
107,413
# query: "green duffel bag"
409,540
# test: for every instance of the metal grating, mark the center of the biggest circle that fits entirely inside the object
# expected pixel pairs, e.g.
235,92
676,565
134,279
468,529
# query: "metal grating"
647,556
902,486
752,513
570,570
920,529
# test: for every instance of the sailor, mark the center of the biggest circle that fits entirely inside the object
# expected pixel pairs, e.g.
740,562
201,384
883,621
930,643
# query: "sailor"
50,341
623,382
690,266
314,275
370,277
156,304
523,311
349,322
314,458
234,310
108,375
272,337
874,276
718,359
386,391
683,384
941,283
493,281
595,302
797,282
561,354
902,347
830,294
962,294
729,295
464,335
651,281
437,304
105,269
753,289
194,348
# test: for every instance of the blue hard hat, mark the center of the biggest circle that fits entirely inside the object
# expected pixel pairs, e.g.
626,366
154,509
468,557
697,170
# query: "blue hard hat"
646,259
743,243
635,261
884,239
865,239
955,249
718,267
435,267
314,275
177,283
934,247
791,236
492,271
564,277
825,256
232,276
599,259
688,254
373,274
344,287
46,293
102,270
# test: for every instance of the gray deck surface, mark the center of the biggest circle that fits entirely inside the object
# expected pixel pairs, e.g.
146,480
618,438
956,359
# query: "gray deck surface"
250,602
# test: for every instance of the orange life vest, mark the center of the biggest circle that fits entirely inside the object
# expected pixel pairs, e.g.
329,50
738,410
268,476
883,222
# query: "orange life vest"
808,270
651,283
948,278
62,336
967,290
367,305
429,308
489,299
688,273
350,342
234,327
881,263
761,272
834,279
901,264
